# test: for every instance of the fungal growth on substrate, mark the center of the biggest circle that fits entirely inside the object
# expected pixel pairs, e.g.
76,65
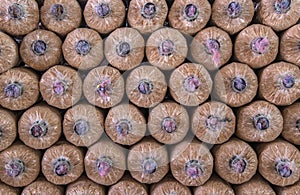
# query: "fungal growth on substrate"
291,123
9,52
84,185
9,190
41,186
292,189
8,128
127,185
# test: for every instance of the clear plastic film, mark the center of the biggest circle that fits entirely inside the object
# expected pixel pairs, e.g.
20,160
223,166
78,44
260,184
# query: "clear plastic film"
291,123
41,186
8,128
9,52
83,185
8,190
292,189
127,185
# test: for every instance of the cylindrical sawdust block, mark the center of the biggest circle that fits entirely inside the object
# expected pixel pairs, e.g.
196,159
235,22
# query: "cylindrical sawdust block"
168,122
190,84
125,124
19,165
8,128
127,185
83,48
63,163
20,88
104,87
104,15
191,163
148,161
166,48
288,190
291,123
61,86
19,17
83,124
169,185
146,86
211,47
124,48
83,185
61,16
235,161
256,45
279,83
105,162
189,16
279,14
147,15
213,122
8,190
42,186
41,49
232,16
279,162
236,84
9,55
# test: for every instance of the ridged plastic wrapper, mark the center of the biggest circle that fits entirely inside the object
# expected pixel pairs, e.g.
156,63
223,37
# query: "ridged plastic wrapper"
61,86
147,15
61,16
292,189
279,14
214,185
104,15
279,162
189,16
168,122
83,124
20,88
19,17
146,86
211,47
9,55
62,163
41,49
260,121
8,128
83,185
191,163
125,124
256,45
124,48
83,48
190,84
148,161
127,185
213,122
235,161
279,83
232,16
236,84
41,186
291,123
19,165
8,190
104,87
105,162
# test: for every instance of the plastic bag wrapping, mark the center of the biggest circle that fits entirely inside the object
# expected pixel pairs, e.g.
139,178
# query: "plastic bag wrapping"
104,15
260,121
190,84
83,48
291,123
279,162
84,186
9,55
146,86
126,186
125,124
105,162
166,48
232,16
61,86
148,161
279,14
191,163
147,15
124,48
20,165
61,16
189,16
213,122
41,186
20,88
235,161
8,190
288,190
83,124
41,49
19,17
62,163
104,87
256,45
236,84
8,128
211,47
282,81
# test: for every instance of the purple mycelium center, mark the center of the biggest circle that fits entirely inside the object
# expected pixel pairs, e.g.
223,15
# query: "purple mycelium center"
283,168
61,166
168,124
260,45
82,47
234,9
123,128
58,11
16,11
81,127
59,87
103,10
261,122
238,164
213,48
14,168
38,129
104,166
287,81
149,165
148,10
191,12
191,83
145,87
282,6
238,84
166,48
104,88
194,169
123,49
39,47
13,90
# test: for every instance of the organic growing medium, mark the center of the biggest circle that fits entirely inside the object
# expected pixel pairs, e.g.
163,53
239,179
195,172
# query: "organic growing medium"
9,190
83,185
291,123
292,189
41,186
8,128
127,185
9,52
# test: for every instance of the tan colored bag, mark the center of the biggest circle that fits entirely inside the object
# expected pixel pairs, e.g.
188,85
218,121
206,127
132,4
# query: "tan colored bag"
288,190
8,190
169,185
8,130
84,186
127,185
9,56
214,185
291,123
41,186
